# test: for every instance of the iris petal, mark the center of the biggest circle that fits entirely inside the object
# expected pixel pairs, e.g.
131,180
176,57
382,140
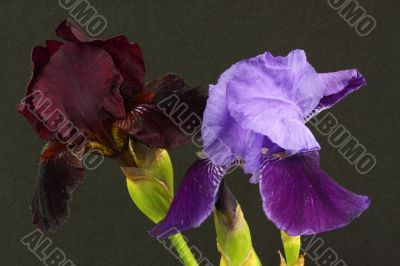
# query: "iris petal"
80,84
301,199
156,127
58,176
279,120
224,139
149,125
69,31
40,58
263,95
194,200
290,80
127,56
174,84
339,84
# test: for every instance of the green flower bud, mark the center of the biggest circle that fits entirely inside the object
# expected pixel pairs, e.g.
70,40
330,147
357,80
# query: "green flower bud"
153,161
291,245
233,233
150,184
299,262
151,187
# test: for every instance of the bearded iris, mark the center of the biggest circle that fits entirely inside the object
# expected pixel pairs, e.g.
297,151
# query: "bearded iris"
255,116
88,94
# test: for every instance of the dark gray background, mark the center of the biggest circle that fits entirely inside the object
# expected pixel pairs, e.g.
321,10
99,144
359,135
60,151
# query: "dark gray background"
200,39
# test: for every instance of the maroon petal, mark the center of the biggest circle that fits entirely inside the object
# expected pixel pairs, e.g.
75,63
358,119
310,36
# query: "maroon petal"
161,127
128,58
194,200
58,176
53,46
174,84
79,84
69,31
40,58
301,199
151,126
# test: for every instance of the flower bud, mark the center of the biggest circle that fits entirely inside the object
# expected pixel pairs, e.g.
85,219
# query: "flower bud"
291,245
299,262
233,233
150,184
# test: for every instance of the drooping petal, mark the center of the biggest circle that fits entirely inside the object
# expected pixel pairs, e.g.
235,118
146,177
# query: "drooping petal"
301,199
158,123
194,200
269,148
224,139
80,84
149,125
339,84
174,84
59,174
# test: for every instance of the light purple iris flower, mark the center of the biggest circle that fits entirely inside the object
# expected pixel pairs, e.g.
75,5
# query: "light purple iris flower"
256,114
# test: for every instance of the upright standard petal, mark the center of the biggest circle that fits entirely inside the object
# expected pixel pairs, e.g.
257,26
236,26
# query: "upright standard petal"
127,56
59,174
272,96
40,58
339,84
301,199
281,121
194,200
289,79
224,140
69,31
80,84
264,95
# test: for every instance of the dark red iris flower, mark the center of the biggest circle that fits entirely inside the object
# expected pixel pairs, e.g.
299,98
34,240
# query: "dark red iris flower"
80,91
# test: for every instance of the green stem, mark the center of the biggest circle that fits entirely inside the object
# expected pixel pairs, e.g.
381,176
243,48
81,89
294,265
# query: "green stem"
183,250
